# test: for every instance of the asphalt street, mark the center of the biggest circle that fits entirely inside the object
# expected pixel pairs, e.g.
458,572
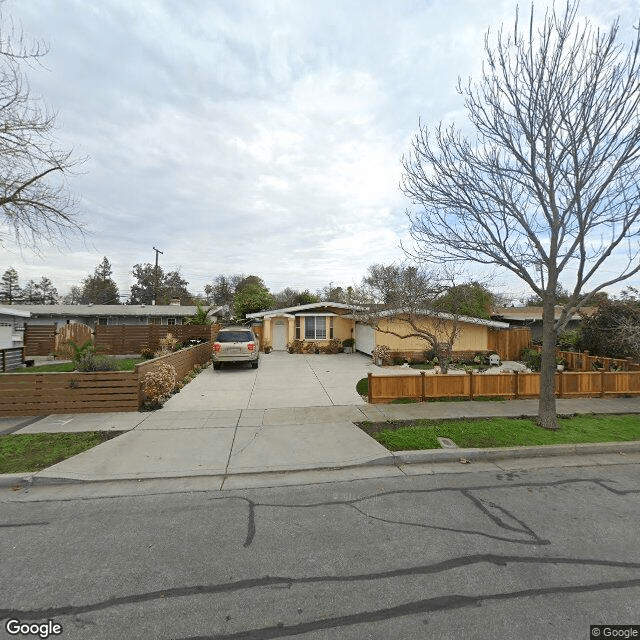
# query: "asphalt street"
538,554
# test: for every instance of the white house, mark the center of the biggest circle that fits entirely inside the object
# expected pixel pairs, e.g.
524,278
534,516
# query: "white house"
12,327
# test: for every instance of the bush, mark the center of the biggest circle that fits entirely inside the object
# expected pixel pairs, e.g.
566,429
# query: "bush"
569,340
92,362
168,344
158,384
532,358
383,353
295,346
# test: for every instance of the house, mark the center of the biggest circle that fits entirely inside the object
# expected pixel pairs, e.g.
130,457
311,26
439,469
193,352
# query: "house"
321,321
12,327
532,317
318,322
93,315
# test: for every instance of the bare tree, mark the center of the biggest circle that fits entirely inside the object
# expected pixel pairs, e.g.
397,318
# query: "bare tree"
549,185
35,204
423,304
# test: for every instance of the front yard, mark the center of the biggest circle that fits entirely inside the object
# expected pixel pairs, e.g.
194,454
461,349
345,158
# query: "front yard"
502,432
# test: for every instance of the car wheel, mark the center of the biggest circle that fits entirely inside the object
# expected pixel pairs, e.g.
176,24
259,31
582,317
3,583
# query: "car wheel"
254,364
217,365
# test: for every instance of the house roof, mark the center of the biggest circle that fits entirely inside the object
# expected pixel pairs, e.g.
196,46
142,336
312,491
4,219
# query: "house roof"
389,313
495,324
12,311
303,307
534,314
112,310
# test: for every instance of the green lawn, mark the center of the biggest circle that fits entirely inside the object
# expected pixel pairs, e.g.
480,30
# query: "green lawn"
505,432
20,453
125,364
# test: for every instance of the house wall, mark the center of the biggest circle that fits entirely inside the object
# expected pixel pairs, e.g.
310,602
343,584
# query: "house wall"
472,337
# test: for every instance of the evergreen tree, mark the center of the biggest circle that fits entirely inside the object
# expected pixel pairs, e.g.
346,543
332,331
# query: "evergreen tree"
10,292
100,288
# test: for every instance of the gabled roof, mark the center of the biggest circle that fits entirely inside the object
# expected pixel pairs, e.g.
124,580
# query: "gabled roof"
303,307
112,310
12,311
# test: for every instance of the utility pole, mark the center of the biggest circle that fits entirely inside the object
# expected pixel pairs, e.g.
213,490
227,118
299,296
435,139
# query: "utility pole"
155,278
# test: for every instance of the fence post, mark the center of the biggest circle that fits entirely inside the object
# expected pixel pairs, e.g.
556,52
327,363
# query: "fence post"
470,384
602,383
559,374
369,394
585,361
516,390
423,396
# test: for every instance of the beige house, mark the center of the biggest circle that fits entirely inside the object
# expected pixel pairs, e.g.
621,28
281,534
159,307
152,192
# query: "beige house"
321,321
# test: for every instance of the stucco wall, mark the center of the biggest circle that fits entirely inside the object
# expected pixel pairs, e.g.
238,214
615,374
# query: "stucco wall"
472,337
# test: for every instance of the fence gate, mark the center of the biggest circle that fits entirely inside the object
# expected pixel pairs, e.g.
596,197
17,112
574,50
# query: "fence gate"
76,332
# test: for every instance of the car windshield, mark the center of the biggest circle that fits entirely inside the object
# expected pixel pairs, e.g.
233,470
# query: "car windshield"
234,336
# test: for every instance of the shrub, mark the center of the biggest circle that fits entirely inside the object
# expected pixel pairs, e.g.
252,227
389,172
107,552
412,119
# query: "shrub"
92,362
158,384
349,342
532,358
334,346
147,353
383,353
168,344
295,346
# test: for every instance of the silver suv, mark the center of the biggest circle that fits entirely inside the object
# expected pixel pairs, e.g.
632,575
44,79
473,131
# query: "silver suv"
236,344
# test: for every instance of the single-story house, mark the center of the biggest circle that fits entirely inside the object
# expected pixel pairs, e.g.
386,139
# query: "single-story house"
109,314
532,317
322,321
12,327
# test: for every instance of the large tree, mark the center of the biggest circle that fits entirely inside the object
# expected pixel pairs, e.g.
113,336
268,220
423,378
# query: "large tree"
165,285
548,185
251,298
100,288
10,292
35,204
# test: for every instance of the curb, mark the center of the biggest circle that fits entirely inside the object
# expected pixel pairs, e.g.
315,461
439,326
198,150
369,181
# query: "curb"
500,453
435,456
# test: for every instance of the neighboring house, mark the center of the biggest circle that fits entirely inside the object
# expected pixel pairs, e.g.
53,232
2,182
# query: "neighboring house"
12,327
109,314
532,317
321,321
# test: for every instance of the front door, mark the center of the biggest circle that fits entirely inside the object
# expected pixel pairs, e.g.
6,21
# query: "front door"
279,335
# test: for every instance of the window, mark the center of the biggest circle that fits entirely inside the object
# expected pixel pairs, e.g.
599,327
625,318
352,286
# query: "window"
103,321
331,328
315,328
171,320
154,321
297,327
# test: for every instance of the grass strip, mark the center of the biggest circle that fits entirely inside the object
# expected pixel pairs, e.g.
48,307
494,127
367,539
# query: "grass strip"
506,432
21,453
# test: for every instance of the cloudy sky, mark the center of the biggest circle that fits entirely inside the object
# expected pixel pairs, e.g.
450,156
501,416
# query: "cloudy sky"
244,136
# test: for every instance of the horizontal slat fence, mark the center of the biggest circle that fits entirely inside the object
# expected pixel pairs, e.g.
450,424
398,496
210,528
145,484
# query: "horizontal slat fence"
44,393
75,392
39,339
383,389
11,358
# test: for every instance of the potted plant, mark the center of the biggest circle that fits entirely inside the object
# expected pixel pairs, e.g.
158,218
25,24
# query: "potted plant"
349,345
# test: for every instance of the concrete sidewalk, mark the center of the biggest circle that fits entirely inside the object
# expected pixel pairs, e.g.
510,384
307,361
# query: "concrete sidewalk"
249,447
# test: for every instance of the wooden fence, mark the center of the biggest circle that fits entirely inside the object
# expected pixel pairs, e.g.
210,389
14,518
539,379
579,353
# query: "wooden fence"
43,340
11,358
509,343
46,393
583,361
39,339
423,387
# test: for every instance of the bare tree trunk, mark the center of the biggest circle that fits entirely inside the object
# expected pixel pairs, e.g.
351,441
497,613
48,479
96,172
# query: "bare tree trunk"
443,349
547,417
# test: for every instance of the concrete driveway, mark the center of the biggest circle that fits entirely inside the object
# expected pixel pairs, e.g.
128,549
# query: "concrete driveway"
282,380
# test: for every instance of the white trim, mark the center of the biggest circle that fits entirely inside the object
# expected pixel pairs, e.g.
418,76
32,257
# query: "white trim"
303,307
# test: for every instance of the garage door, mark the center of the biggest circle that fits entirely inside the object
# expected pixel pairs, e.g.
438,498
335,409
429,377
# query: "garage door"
365,338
